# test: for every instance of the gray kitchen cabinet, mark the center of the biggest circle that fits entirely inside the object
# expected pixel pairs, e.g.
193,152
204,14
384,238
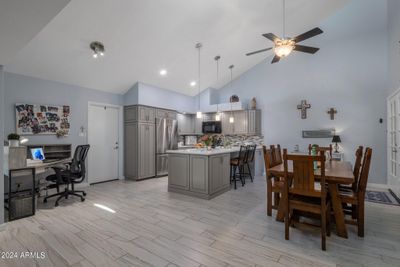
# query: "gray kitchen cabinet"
240,124
139,150
185,124
208,117
178,171
227,127
198,178
254,121
198,125
130,150
146,114
219,171
259,164
147,150
139,114
164,113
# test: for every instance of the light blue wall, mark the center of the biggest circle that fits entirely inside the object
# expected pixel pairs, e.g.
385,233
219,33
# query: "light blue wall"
24,89
348,73
149,95
2,109
132,96
394,46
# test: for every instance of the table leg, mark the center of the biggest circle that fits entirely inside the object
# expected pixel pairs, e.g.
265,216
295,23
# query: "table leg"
280,215
338,211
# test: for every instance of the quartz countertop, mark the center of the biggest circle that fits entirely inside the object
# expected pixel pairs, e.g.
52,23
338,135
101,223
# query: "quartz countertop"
206,152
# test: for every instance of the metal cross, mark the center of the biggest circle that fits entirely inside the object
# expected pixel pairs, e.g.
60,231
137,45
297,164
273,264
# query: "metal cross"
303,107
332,112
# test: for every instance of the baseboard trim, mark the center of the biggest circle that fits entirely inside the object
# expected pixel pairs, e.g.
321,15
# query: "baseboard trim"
2,227
377,186
82,185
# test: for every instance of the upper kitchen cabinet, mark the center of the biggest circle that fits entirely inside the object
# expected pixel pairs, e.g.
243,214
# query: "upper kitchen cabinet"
185,124
254,121
168,114
139,114
245,122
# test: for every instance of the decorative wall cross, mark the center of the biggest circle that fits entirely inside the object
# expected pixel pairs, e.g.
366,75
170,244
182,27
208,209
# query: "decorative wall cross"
332,112
303,107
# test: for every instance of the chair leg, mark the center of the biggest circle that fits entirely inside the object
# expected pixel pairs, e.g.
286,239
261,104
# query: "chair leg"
234,176
353,212
360,218
287,221
323,228
269,196
248,168
241,175
230,175
328,220
80,191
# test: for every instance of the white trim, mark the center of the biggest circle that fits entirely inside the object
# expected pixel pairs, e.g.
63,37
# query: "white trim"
377,186
393,94
82,185
120,136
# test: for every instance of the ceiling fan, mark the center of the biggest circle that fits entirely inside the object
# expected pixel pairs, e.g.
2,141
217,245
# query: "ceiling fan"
285,45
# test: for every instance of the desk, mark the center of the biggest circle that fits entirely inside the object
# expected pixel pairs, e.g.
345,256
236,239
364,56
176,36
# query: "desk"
31,169
336,172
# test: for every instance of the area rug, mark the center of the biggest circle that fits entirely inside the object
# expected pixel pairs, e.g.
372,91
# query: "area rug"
382,197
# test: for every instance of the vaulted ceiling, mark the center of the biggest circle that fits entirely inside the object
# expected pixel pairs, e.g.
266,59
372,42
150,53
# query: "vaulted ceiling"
142,37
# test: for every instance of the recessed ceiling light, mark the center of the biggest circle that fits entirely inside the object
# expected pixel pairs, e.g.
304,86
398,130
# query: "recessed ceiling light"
193,83
163,72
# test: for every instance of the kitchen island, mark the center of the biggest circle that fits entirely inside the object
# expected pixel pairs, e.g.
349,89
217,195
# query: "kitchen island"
200,172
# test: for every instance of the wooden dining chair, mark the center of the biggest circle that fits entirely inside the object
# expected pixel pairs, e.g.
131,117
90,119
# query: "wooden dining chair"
274,184
276,153
302,195
356,170
327,149
357,197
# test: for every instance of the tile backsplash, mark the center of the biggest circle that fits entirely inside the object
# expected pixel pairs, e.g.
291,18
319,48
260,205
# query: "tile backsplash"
237,140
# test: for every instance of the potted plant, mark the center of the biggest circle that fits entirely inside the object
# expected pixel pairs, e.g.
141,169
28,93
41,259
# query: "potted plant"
207,140
13,139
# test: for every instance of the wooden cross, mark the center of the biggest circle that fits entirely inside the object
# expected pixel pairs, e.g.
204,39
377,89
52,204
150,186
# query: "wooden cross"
332,112
303,107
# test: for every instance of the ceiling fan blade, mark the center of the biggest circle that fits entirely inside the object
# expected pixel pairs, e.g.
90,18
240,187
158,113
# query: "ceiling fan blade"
275,59
271,37
258,51
306,49
307,35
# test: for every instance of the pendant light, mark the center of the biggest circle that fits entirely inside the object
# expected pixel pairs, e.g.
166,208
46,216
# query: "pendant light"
231,118
199,115
218,115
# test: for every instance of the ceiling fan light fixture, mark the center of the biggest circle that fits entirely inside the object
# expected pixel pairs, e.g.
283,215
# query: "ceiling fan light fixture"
283,48
97,48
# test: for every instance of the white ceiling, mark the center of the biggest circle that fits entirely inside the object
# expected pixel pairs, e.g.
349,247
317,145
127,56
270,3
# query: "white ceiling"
20,21
143,36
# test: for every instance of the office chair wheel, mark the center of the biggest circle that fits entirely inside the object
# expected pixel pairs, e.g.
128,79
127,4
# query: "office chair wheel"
45,200
56,204
82,199
84,193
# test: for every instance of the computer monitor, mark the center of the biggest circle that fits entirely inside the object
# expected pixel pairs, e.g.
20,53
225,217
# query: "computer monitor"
37,153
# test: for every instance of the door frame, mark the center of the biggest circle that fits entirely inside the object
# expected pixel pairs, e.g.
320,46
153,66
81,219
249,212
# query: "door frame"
396,188
120,135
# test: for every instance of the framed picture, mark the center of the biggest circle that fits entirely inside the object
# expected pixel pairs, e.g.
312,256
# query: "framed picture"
41,119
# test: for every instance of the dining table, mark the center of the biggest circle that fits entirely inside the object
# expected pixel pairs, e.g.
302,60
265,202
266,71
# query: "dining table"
336,172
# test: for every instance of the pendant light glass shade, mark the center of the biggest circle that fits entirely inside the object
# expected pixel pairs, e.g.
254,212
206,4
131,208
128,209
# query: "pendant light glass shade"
218,117
231,119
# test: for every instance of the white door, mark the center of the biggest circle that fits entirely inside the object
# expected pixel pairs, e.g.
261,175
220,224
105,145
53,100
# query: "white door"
393,111
103,136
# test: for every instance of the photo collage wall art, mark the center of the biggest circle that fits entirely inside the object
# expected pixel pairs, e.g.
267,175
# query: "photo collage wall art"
42,119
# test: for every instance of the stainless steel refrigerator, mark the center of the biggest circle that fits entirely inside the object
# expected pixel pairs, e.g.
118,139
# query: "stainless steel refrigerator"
166,139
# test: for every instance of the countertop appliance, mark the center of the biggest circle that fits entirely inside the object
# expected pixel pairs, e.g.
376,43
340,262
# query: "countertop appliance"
166,139
213,127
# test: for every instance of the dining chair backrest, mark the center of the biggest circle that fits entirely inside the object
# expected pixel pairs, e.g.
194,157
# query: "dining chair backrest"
303,177
251,151
362,183
276,154
357,166
268,161
324,149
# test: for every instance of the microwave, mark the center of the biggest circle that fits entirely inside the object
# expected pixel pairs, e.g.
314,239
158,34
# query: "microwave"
212,127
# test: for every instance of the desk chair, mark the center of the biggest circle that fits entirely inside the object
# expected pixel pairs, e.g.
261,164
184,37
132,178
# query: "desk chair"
73,173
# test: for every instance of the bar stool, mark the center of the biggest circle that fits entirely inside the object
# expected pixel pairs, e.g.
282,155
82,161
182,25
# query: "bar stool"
238,164
251,151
